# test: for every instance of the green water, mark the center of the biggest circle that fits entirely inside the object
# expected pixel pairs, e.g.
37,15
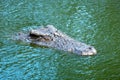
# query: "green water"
95,22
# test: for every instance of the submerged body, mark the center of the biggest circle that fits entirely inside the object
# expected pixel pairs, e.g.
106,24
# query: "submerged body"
49,36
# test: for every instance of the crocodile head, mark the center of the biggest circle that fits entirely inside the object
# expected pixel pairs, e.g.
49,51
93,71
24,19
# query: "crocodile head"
49,36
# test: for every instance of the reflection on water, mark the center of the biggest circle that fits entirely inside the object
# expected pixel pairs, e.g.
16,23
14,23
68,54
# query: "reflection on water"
28,61
93,22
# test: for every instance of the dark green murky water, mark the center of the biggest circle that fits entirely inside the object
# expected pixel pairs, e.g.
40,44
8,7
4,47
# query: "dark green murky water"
95,22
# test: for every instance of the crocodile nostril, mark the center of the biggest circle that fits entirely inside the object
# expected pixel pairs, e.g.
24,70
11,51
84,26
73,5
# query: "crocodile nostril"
90,48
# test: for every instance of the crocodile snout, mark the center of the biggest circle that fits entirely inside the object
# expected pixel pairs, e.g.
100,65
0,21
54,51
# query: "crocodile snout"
89,51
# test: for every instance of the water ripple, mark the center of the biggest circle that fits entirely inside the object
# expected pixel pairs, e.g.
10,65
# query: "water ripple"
92,22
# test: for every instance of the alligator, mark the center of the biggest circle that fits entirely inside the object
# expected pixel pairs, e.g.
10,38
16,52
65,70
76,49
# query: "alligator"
49,36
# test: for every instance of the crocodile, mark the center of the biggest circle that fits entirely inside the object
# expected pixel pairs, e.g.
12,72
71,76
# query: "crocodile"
49,36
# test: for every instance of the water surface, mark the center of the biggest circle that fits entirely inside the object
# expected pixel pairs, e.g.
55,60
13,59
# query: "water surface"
95,22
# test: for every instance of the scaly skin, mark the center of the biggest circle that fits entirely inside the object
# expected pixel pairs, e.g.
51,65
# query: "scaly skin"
49,36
